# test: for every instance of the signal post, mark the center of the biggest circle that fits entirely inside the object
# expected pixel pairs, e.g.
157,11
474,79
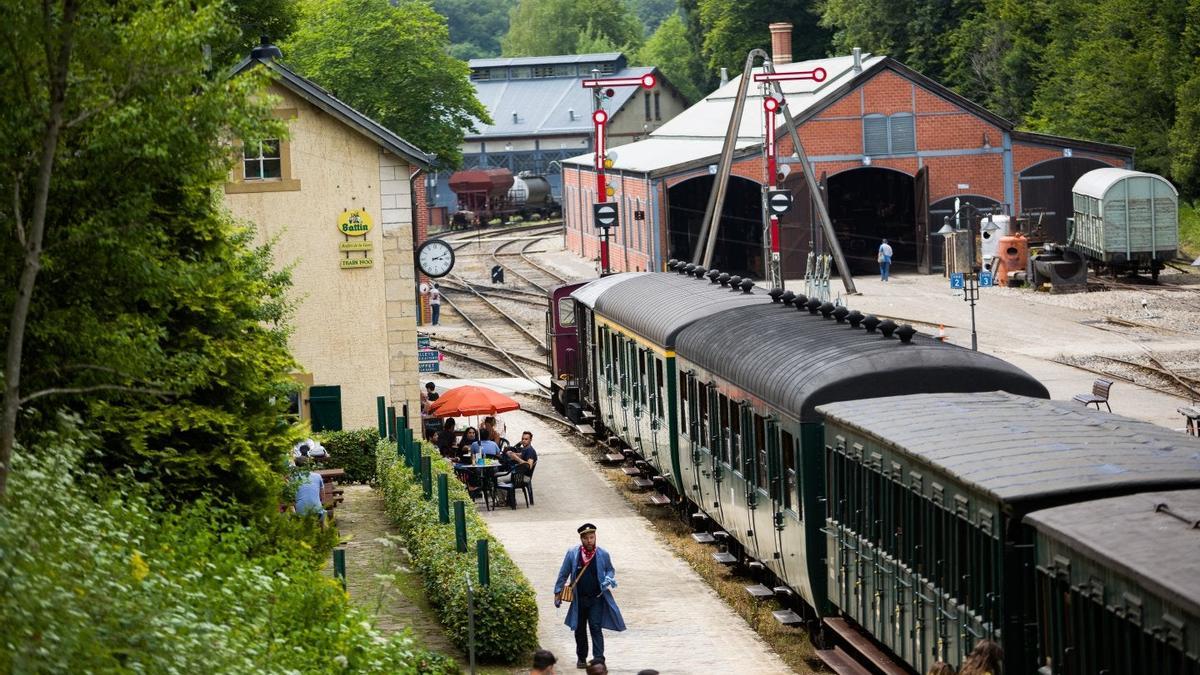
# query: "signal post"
606,217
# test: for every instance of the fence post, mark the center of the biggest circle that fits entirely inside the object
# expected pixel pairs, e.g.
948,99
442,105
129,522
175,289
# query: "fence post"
470,619
381,409
339,565
460,525
391,416
427,477
481,554
443,499
413,447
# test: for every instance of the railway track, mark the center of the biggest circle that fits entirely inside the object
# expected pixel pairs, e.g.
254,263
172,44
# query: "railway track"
541,278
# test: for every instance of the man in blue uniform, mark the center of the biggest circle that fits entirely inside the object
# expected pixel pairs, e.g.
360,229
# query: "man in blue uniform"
588,568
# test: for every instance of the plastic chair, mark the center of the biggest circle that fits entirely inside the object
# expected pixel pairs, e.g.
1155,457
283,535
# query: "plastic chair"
522,481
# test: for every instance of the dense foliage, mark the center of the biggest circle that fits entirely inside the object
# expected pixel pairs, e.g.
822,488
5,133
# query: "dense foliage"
149,312
544,27
390,62
506,613
476,26
353,451
670,50
98,577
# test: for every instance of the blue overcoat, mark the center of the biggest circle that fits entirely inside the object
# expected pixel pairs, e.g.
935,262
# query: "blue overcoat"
611,618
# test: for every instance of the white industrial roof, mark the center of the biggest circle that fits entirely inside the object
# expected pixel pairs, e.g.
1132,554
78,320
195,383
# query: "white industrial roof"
699,131
589,293
1097,182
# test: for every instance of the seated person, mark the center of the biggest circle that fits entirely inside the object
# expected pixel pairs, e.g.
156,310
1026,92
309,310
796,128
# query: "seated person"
308,495
486,447
431,392
309,448
520,458
469,437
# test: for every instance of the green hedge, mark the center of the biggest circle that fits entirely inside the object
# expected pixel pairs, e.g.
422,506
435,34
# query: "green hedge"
97,576
353,451
506,613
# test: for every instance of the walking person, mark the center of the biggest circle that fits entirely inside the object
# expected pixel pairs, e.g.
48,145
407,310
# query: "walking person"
587,574
884,258
435,304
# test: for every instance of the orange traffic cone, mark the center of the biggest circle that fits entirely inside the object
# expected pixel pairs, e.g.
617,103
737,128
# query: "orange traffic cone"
941,333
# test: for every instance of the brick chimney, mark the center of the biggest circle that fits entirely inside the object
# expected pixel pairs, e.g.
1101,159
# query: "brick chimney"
781,42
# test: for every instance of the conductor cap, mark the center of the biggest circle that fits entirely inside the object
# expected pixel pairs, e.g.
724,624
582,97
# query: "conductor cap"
586,527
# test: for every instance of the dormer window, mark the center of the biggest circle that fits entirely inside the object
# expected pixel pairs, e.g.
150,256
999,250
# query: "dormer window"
262,160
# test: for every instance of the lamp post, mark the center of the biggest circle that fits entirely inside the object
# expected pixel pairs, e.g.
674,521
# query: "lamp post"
971,277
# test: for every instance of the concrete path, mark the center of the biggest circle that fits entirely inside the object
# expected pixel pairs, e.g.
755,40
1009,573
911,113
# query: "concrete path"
676,623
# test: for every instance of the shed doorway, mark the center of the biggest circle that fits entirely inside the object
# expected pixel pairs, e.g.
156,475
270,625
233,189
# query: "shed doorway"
869,204
739,241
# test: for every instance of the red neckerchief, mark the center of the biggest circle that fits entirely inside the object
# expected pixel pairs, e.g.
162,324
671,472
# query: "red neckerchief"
587,557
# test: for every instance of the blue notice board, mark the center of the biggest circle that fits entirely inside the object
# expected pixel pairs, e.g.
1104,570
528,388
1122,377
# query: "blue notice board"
956,280
428,367
426,355
985,279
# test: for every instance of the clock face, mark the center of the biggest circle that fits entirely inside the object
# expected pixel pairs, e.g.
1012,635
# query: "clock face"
435,258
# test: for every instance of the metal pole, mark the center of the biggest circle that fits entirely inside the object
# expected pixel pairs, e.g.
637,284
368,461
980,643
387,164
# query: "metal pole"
391,415
771,244
339,566
716,200
443,499
470,619
460,526
481,556
381,409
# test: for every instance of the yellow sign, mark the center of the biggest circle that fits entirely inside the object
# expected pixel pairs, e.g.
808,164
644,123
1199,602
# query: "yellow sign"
355,263
363,245
354,223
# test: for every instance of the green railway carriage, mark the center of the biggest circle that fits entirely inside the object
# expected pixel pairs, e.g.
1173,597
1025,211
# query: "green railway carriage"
751,441
929,546
631,349
1118,585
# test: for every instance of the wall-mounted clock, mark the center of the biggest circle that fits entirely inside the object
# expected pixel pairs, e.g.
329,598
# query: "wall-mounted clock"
435,258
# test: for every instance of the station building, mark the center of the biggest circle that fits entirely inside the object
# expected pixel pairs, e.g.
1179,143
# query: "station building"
893,152
335,199
541,114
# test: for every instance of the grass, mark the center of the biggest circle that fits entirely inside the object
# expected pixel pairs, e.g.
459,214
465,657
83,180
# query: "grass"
1189,229
791,644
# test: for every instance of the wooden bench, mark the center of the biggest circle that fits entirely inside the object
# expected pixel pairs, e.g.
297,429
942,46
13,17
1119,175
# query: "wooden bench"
1100,389
1191,413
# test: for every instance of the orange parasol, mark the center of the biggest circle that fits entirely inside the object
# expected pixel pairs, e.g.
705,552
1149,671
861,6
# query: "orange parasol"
469,400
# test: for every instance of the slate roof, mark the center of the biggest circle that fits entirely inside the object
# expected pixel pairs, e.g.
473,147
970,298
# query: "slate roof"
658,305
543,104
1137,536
1020,449
314,94
797,360
506,61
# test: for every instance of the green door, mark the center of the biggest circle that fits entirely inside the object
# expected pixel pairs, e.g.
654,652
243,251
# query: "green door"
325,403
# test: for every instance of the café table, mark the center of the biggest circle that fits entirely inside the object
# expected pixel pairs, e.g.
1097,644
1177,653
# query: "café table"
487,478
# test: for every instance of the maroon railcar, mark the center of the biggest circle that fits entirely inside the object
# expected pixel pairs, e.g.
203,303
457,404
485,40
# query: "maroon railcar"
562,335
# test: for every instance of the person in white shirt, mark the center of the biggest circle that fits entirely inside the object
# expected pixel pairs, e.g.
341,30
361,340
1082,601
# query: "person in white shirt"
309,448
435,304
885,260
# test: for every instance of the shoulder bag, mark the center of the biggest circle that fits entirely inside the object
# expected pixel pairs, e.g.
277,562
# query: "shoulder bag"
568,592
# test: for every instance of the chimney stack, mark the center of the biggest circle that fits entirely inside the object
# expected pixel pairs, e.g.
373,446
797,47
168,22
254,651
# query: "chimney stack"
781,42
724,76
857,59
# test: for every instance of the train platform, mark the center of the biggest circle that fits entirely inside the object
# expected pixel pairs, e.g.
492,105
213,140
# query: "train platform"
676,622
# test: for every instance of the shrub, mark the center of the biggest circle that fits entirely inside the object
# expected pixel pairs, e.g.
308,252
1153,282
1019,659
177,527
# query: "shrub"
353,451
96,577
506,613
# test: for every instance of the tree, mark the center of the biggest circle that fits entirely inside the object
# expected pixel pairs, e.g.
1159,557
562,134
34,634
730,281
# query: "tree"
130,298
390,62
670,50
476,26
550,27
256,19
732,29
653,12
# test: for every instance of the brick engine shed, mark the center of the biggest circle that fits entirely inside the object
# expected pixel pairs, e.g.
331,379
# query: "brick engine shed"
892,151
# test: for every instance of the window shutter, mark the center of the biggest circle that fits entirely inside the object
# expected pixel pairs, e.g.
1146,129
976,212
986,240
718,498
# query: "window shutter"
875,135
904,138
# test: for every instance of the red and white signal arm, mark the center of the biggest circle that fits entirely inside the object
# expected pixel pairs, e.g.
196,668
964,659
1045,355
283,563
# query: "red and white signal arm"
599,117
647,81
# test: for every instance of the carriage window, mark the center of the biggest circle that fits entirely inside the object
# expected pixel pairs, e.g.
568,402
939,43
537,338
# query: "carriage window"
788,447
658,380
566,311
703,402
760,443
642,386
736,411
684,395
726,436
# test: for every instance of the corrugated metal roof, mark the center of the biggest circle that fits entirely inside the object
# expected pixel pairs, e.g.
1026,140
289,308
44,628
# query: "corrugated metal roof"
502,61
1136,537
798,360
1097,182
1022,449
588,294
692,132
543,105
658,305
313,93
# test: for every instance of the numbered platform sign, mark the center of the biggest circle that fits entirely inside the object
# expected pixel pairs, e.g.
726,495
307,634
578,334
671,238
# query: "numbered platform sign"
956,280
985,279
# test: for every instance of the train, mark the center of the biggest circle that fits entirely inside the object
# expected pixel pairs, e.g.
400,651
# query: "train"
486,194
1125,221
886,486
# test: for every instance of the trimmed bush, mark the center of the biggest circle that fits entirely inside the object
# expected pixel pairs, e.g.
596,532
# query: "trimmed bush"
353,451
98,577
506,613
